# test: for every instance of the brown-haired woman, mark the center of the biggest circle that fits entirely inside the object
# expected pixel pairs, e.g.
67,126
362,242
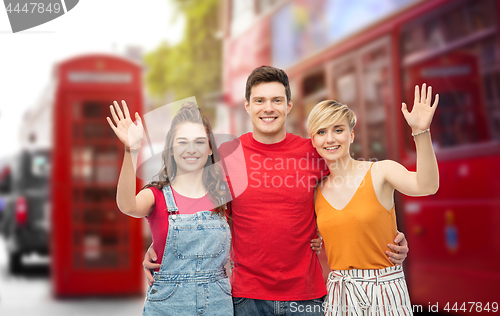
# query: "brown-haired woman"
185,211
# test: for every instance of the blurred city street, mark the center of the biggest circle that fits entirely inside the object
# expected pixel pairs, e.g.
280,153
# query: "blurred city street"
30,294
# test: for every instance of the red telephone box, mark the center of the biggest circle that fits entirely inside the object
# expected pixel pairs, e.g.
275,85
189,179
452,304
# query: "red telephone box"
95,249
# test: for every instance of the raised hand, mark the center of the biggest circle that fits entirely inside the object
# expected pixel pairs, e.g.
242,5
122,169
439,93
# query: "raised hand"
421,115
129,133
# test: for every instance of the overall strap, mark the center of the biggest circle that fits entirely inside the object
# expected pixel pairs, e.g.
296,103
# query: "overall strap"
169,199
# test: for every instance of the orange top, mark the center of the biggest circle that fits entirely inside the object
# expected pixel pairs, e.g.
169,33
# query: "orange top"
356,236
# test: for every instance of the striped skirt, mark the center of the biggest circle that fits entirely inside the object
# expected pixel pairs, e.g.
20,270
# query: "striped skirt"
367,292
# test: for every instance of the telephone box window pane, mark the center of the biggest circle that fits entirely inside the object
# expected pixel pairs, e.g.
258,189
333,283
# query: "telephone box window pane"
106,154
100,259
99,195
76,195
100,216
76,110
76,135
98,131
106,174
95,109
92,195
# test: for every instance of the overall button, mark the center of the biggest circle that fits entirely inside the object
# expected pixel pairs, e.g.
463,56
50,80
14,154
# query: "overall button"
174,217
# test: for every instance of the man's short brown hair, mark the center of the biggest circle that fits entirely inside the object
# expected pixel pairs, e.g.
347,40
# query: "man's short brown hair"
267,74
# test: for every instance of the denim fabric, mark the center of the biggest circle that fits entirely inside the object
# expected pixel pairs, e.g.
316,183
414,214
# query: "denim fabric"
251,307
192,279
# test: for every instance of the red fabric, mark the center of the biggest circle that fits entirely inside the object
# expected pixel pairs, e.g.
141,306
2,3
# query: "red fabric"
273,219
158,218
158,223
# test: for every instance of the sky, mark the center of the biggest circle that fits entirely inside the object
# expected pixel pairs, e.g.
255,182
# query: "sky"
93,26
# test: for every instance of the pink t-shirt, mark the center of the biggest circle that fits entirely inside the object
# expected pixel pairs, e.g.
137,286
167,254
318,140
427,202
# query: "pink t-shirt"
158,218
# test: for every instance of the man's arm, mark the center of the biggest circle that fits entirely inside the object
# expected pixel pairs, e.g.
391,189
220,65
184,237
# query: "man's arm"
316,244
149,264
400,252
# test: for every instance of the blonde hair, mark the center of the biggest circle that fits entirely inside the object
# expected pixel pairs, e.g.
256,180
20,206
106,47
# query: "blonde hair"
326,113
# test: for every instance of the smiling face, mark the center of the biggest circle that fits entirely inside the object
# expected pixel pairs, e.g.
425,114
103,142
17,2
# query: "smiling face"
268,109
333,142
190,147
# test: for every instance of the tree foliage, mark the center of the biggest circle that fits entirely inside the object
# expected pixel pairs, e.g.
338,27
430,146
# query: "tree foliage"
192,67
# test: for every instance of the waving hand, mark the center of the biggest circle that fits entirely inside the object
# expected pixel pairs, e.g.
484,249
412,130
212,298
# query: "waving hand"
129,133
421,115
425,180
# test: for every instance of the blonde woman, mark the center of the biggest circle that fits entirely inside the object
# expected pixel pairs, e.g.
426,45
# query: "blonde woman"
355,208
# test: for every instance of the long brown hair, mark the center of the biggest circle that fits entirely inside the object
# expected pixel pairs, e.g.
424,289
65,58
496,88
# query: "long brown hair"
212,174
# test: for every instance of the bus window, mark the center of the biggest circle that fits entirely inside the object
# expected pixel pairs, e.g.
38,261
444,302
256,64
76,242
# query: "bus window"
345,90
362,81
480,14
314,83
463,68
314,91
292,120
455,122
377,95
492,87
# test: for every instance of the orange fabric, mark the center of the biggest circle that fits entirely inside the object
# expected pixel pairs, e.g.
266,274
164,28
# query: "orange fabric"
356,237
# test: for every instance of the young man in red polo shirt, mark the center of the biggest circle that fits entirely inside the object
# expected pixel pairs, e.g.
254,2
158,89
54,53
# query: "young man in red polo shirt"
275,270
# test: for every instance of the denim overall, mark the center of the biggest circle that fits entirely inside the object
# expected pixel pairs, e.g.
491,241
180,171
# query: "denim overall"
192,279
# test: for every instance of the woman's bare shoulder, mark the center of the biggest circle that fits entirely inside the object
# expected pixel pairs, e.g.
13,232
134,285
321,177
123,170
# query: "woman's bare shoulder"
363,165
382,168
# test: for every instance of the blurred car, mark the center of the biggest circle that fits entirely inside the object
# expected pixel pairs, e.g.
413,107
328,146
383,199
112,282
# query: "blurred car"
5,183
26,219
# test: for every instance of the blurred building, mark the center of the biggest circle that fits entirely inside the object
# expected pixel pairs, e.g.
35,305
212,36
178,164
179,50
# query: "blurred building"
63,201
370,54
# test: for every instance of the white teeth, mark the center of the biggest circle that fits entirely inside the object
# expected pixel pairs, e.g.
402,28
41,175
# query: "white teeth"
191,159
268,119
332,148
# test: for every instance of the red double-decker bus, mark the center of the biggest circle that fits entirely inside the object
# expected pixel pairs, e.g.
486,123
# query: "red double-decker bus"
370,55
95,249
